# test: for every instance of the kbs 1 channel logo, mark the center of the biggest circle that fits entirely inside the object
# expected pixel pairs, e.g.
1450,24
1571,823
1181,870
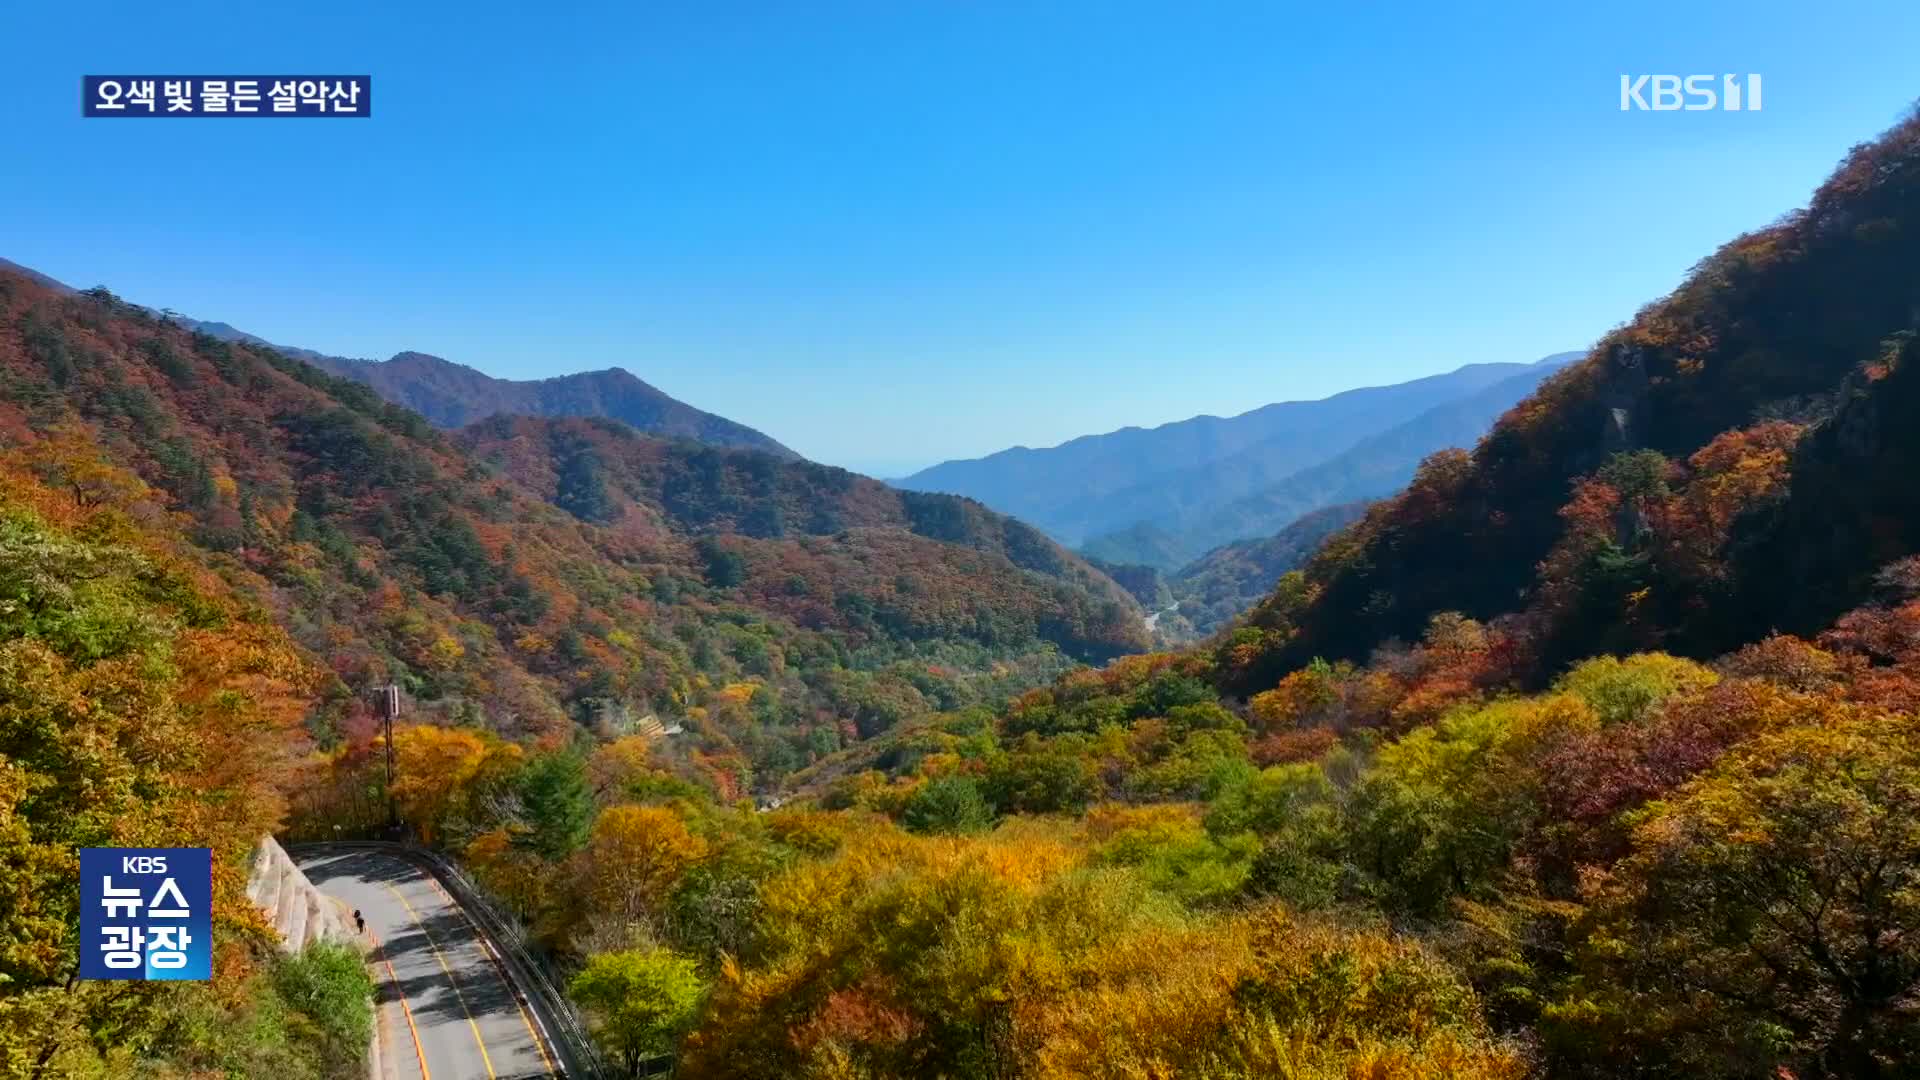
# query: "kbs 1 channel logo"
226,96
146,913
1689,93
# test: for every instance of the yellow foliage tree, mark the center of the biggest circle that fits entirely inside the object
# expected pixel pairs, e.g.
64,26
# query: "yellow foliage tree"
635,857
439,771
617,764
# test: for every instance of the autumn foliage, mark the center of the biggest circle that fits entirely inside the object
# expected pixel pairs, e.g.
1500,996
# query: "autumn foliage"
1804,321
141,705
1590,755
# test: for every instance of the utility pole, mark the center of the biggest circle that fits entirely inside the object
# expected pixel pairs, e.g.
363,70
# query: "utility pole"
389,705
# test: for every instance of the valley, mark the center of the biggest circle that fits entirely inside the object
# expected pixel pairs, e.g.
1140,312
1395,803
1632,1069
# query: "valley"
1537,719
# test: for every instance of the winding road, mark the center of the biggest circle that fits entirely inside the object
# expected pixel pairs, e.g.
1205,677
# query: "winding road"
446,1009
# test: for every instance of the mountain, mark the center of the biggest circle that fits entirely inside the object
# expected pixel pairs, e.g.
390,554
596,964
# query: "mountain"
1315,502
1465,719
814,536
1171,477
1378,465
531,575
1593,753
1198,512
36,277
1141,544
453,395
1144,583
1231,578
1735,460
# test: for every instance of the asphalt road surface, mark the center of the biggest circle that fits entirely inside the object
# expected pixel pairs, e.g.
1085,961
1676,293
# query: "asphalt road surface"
445,1010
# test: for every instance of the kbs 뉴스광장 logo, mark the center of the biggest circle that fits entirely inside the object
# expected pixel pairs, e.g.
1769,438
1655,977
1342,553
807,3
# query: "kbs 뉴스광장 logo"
146,913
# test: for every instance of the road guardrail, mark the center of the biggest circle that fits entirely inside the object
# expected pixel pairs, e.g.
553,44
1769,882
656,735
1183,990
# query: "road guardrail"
532,975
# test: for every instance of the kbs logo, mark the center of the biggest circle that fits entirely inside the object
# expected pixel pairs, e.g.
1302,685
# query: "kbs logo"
1688,93
146,913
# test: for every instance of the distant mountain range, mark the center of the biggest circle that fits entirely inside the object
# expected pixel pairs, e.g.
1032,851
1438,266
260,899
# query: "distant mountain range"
1164,496
452,395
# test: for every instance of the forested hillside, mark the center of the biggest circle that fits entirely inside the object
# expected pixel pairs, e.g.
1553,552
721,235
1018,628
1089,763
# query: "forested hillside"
142,704
1595,754
451,395
816,543
594,468
390,551
1218,586
1629,499
1366,835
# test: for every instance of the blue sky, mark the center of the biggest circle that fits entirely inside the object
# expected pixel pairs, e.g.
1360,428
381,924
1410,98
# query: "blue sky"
893,233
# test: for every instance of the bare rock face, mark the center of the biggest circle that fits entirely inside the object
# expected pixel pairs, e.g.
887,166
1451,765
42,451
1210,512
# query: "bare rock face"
299,912
1623,396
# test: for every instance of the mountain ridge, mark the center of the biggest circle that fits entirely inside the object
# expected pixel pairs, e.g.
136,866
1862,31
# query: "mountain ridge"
1619,506
390,551
1375,466
451,395
1114,480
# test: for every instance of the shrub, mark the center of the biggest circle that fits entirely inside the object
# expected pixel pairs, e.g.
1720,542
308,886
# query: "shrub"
329,982
946,805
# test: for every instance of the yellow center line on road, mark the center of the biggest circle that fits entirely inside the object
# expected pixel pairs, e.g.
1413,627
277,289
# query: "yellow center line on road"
462,998
418,1050
539,1043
